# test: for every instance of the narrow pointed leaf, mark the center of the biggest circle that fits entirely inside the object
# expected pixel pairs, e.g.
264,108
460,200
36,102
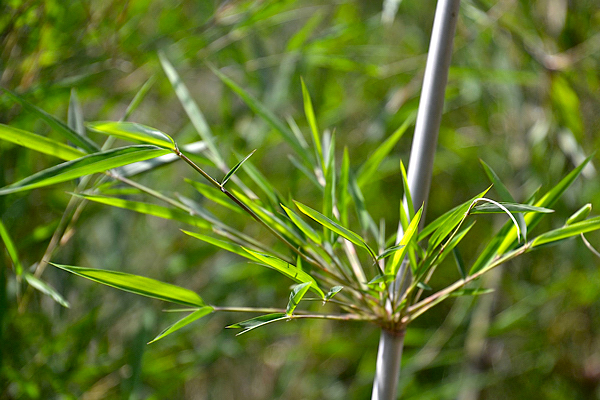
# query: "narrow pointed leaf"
335,227
568,231
139,97
190,106
133,131
11,248
90,164
199,313
388,252
295,296
75,119
382,278
333,291
234,169
312,122
302,225
264,112
498,185
147,208
214,195
287,269
471,292
79,140
407,195
424,286
229,246
372,164
138,284
46,289
489,208
409,236
343,195
460,264
257,322
580,214
39,143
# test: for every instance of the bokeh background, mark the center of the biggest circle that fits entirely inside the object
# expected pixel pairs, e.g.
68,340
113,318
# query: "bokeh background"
523,95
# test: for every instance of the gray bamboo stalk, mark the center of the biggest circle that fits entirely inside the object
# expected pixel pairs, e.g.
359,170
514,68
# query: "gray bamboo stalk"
420,170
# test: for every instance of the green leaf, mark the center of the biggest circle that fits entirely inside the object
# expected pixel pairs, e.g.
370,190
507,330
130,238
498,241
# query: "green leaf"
382,278
460,264
335,227
191,108
46,289
147,208
498,185
296,295
424,286
59,126
389,251
333,291
257,322
303,226
234,169
199,313
343,195
214,195
139,97
568,231
471,292
580,214
11,248
489,208
312,122
90,164
287,269
137,284
39,143
75,119
229,246
133,131
264,112
409,236
369,168
407,195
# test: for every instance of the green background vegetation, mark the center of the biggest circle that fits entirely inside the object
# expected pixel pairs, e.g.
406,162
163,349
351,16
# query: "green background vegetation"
523,95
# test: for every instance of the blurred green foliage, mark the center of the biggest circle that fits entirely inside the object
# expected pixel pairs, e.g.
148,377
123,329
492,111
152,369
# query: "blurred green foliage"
523,95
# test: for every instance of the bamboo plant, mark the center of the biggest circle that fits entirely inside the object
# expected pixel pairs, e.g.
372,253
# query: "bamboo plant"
328,254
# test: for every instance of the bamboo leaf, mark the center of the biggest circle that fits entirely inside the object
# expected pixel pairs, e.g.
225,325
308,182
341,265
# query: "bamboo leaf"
471,292
234,169
75,119
85,143
287,269
191,108
257,322
214,195
147,208
39,143
264,112
498,185
407,195
567,231
335,227
11,248
312,122
133,131
229,246
302,225
372,164
389,251
333,291
137,284
344,196
512,207
90,164
460,264
199,313
149,165
409,236
580,214
139,97
296,295
46,289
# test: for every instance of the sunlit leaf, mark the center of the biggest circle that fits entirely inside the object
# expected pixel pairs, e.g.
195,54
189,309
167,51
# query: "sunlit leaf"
56,124
567,231
199,313
489,208
47,289
333,291
257,322
287,269
409,236
90,164
335,227
229,246
580,214
148,208
302,225
137,284
296,295
39,143
389,251
11,248
234,169
133,131
312,122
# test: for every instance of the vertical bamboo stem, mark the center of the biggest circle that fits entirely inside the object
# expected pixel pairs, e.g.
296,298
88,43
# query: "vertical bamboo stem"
420,170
